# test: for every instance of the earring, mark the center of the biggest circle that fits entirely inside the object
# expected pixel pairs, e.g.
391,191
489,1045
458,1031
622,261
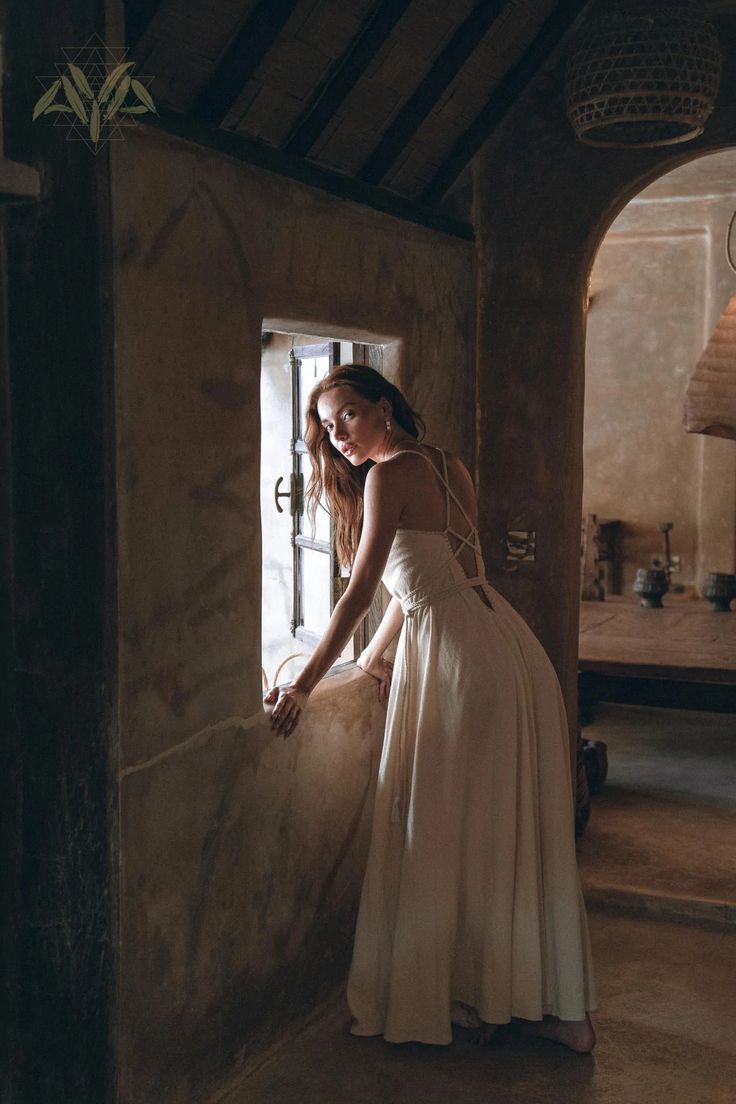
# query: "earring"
388,424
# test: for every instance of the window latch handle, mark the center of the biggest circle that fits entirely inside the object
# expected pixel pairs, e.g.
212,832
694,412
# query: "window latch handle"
295,494
277,494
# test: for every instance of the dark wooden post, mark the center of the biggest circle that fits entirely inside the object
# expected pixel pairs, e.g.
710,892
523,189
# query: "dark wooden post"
59,584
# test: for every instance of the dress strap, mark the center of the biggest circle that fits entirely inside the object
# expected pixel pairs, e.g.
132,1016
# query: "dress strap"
471,539
447,489
413,452
449,493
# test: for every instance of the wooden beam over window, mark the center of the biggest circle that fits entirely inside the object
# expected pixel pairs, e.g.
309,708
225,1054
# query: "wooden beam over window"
255,152
432,88
553,33
344,75
252,42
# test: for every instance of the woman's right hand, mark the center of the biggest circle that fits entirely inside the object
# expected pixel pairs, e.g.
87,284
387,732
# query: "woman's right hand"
288,704
379,669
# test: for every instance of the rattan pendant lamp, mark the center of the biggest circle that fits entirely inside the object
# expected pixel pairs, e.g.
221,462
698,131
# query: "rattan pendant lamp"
710,399
643,73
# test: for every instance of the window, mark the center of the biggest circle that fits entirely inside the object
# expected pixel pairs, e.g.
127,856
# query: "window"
302,580
316,575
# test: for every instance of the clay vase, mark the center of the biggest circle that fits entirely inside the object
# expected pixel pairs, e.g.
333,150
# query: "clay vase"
719,588
595,758
650,584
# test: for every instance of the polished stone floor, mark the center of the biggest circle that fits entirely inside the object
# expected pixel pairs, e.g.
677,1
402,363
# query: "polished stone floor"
659,860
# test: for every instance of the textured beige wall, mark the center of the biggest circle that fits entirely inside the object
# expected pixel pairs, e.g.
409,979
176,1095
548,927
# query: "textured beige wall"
241,856
659,283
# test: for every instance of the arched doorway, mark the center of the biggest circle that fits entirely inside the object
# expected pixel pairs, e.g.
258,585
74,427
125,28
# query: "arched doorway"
663,680
658,286
544,203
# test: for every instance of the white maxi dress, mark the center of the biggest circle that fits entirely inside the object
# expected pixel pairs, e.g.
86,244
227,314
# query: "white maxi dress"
471,895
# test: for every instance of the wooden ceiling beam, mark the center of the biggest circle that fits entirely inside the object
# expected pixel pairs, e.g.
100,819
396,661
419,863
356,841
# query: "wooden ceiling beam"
139,15
252,42
434,85
251,150
344,75
554,32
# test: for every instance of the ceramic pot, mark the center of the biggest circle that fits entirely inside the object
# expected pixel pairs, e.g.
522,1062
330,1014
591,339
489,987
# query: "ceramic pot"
719,588
595,758
650,584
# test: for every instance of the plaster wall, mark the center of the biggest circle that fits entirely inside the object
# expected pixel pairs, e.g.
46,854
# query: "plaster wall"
241,855
659,283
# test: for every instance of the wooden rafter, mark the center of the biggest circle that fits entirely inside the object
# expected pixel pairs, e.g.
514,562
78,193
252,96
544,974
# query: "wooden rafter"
432,88
553,33
243,148
139,15
246,51
344,75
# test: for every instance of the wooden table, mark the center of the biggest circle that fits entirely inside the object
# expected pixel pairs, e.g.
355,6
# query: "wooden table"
685,640
681,656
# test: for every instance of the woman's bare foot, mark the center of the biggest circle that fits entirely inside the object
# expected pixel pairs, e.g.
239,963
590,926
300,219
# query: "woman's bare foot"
484,1033
578,1035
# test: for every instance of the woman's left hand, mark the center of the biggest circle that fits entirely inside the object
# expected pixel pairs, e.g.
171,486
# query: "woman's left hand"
380,669
288,703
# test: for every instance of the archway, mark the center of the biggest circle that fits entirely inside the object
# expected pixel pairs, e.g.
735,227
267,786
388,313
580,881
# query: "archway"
543,205
658,684
659,284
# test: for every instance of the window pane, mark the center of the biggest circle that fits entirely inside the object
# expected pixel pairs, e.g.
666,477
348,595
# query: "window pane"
316,589
322,518
321,524
311,369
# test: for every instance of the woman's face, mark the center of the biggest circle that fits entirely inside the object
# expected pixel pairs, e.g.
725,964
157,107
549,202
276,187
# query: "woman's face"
355,426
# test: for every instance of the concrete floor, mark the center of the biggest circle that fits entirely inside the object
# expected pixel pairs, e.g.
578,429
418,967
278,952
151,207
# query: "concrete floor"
666,1035
662,841
662,834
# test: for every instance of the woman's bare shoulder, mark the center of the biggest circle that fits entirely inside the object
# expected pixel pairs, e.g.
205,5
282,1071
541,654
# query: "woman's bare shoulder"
457,464
401,463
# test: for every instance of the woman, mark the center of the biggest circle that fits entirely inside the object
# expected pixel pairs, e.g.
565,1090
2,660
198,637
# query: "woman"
471,909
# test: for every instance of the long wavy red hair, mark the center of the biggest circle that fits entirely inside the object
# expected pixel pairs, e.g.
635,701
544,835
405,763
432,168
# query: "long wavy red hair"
333,477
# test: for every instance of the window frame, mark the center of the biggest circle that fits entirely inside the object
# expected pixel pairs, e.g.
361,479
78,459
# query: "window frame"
299,456
363,354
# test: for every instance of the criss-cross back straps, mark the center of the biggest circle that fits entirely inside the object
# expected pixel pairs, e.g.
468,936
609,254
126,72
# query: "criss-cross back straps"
470,538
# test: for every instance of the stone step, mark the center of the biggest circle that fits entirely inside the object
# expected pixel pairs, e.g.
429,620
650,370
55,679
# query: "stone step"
634,901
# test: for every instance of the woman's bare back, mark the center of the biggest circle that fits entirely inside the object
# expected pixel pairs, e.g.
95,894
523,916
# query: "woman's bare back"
425,502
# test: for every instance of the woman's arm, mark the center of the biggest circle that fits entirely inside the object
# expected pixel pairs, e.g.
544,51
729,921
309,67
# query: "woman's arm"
391,622
381,511
289,700
371,658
